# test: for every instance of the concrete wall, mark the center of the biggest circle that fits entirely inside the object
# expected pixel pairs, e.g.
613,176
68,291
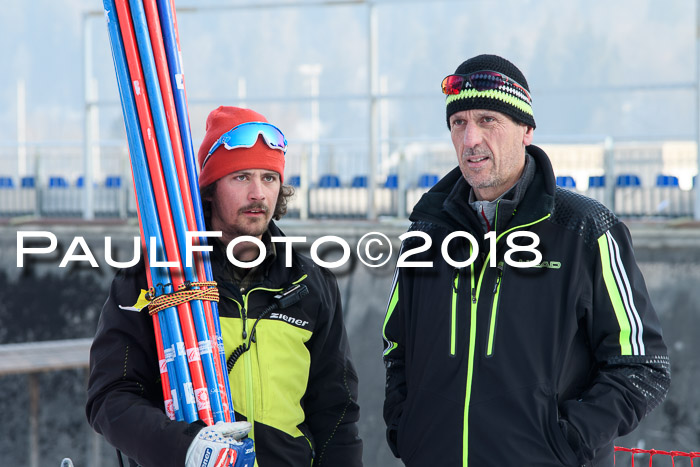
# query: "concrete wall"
43,302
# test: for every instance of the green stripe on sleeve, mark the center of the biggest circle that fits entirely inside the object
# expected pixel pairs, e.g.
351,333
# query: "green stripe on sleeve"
392,305
615,297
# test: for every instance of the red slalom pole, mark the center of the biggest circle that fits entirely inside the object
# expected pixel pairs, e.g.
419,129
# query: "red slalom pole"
154,28
170,112
171,41
165,381
160,192
212,366
168,395
170,336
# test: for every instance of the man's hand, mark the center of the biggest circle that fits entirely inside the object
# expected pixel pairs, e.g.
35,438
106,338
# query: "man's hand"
220,446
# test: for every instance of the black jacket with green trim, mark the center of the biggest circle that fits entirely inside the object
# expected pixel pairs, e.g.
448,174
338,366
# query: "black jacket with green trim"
296,384
491,364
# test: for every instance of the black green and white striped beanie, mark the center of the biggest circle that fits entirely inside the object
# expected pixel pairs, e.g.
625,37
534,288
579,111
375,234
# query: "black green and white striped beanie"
507,99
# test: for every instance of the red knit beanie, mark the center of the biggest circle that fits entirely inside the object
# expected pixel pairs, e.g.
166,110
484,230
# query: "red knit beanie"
224,161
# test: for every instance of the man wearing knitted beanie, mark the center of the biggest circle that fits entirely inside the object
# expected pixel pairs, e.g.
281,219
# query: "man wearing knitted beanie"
531,339
293,385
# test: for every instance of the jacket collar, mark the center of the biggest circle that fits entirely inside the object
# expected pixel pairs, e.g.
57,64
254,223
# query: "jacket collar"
277,274
506,204
453,212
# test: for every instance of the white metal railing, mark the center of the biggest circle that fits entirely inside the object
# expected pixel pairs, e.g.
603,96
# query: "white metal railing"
633,179
34,358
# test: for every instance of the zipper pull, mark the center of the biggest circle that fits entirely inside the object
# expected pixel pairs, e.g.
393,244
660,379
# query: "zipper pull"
474,295
498,278
455,275
243,315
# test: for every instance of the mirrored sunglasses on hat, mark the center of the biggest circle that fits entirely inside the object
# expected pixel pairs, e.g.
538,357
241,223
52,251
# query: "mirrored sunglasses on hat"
479,80
246,135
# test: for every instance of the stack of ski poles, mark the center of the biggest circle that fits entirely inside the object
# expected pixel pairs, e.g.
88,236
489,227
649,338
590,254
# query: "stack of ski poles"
146,53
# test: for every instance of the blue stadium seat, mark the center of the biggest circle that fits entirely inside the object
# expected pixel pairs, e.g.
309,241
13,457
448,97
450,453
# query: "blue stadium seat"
392,181
6,182
359,181
566,181
28,182
294,180
59,182
628,180
329,181
80,182
596,181
113,181
427,180
668,181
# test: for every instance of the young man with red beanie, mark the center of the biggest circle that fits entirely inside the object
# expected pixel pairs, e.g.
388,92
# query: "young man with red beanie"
291,374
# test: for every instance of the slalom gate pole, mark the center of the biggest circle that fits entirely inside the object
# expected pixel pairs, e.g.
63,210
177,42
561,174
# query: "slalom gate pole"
167,318
205,329
176,364
166,10
212,400
191,349
165,360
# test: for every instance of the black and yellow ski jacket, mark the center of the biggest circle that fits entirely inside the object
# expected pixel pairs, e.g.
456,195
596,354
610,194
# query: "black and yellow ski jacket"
296,384
492,364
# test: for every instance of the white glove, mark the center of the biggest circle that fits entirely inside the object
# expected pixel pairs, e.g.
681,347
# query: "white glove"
217,445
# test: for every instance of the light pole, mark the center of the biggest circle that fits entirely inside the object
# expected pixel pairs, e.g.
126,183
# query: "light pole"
21,129
373,58
313,71
90,116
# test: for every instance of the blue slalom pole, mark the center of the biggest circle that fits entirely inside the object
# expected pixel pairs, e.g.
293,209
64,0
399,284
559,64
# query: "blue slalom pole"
136,146
175,196
172,49
178,369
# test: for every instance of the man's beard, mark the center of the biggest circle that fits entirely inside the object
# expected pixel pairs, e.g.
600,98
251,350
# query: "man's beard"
258,228
471,175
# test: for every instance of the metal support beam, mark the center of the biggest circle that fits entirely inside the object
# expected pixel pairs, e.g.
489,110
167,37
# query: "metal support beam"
696,209
609,174
21,129
373,110
90,116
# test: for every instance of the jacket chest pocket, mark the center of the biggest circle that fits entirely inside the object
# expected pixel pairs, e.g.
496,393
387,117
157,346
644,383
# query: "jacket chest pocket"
453,312
493,310
462,302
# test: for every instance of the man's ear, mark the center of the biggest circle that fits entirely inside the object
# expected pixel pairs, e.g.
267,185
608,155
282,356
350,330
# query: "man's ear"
207,193
527,136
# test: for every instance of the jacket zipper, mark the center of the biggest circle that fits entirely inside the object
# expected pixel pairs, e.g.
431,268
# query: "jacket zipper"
475,292
470,365
453,322
494,309
249,390
249,396
311,446
248,358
